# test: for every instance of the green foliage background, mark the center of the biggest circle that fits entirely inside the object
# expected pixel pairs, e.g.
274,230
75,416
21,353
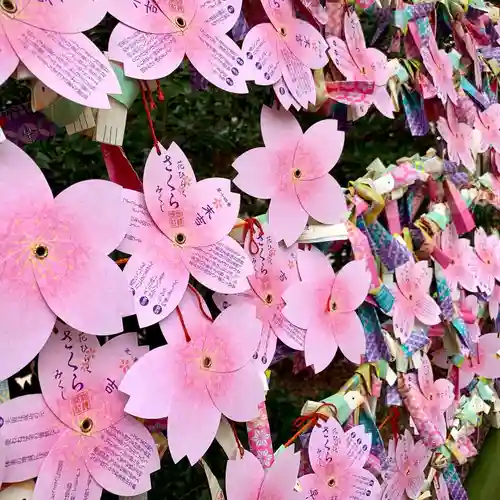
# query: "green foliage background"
213,128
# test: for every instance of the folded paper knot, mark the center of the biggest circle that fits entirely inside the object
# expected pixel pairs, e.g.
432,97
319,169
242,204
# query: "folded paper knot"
251,226
452,172
310,420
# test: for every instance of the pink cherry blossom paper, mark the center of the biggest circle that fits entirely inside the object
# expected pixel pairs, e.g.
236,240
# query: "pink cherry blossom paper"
246,480
292,170
177,228
407,471
55,258
86,440
361,64
166,31
203,377
488,262
275,269
40,34
488,124
325,304
285,49
412,299
337,459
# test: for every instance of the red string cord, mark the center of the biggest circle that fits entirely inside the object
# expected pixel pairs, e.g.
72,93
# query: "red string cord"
249,228
238,442
200,303
147,108
181,319
159,92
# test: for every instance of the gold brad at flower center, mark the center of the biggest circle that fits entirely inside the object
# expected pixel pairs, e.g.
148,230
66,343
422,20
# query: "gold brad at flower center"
41,251
8,6
86,425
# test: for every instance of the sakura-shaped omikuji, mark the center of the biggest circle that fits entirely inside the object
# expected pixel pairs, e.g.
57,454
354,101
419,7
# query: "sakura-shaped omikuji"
359,63
292,171
412,299
337,458
180,227
46,37
55,259
167,31
407,463
324,303
204,371
286,49
277,482
85,441
488,262
276,270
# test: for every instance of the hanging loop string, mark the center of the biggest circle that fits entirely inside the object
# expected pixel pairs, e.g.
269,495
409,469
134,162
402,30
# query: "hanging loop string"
181,319
249,228
148,106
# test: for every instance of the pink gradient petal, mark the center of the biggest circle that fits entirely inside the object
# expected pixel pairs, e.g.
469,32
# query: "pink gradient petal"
314,265
311,483
342,58
195,319
8,57
404,450
350,335
443,393
320,345
287,217
383,101
378,68
403,316
415,485
158,282
394,489
64,470
186,8
218,59
65,365
154,399
171,49
297,76
280,479
260,46
351,286
192,425
301,304
24,38
332,434
204,263
140,18
313,55
257,172
168,178
234,346
85,289
364,484
287,332
280,129
237,394
70,16
319,149
425,376
244,477
354,33
210,211
323,199
359,443
219,16
481,244
95,209
110,448
280,12
426,310
420,457
25,416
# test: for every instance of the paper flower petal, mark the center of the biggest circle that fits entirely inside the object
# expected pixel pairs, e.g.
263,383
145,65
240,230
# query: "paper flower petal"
260,47
314,265
203,262
8,57
43,421
444,393
319,149
342,58
351,286
171,46
287,332
426,310
322,199
301,304
218,59
403,316
415,485
151,400
280,129
307,44
383,101
220,16
287,217
320,456
24,38
425,375
85,289
280,479
64,468
320,346
359,441
350,335
192,425
257,172
237,394
127,437
96,210
244,478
